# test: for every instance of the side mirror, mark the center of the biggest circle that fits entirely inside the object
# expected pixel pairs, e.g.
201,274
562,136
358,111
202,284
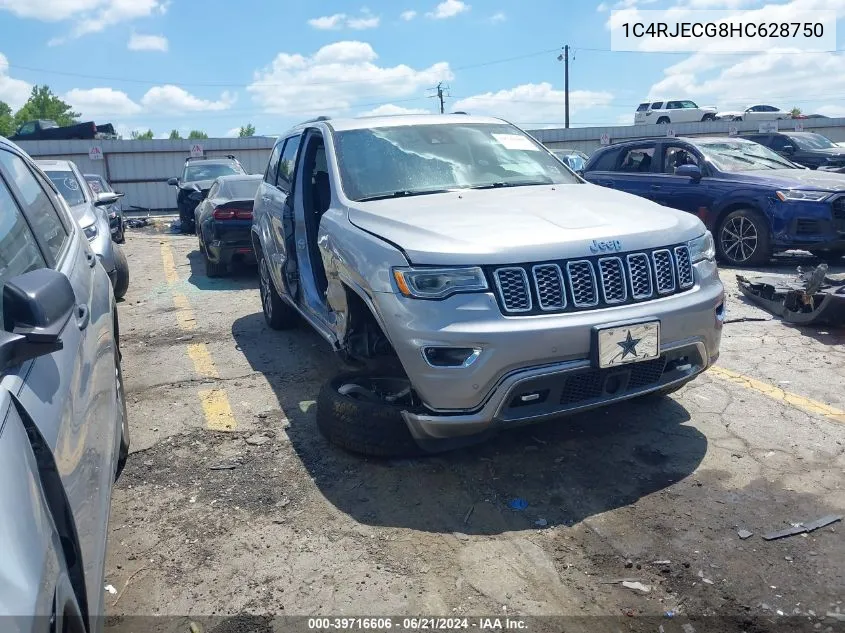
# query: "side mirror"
36,307
788,149
172,181
119,194
690,171
105,198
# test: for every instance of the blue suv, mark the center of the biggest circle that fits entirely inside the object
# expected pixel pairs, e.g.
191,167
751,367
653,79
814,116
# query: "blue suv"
753,200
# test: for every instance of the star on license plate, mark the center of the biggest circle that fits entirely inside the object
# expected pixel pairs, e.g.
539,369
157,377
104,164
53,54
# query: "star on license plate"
628,343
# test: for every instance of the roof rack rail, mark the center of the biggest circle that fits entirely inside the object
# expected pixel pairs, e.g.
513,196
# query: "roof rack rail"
314,120
231,156
190,158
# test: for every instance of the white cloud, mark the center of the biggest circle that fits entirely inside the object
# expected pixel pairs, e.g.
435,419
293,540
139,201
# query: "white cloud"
448,9
534,103
341,20
138,42
498,17
233,133
174,99
408,15
328,22
334,78
101,102
389,109
88,16
14,92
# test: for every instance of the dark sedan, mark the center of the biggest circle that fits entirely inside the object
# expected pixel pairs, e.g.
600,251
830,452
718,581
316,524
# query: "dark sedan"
223,220
754,201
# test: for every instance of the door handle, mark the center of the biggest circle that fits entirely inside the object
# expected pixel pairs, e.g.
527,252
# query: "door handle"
656,187
92,259
83,316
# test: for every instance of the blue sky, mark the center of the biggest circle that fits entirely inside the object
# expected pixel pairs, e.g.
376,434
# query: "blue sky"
216,65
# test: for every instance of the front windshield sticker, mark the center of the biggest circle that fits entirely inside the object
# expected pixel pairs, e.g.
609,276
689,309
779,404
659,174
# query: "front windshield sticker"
515,141
70,183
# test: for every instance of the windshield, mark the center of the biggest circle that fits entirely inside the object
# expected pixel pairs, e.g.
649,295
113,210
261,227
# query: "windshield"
68,186
576,162
742,156
211,171
812,141
417,159
241,189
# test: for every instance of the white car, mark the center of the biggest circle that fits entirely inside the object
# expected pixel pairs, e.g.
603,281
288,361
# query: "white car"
756,113
677,111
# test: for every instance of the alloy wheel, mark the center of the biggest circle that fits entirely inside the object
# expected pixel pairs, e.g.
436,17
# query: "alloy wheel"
739,239
266,288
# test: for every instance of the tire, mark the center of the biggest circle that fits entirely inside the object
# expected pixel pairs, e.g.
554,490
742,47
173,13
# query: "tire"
753,248
708,117
187,225
213,269
278,314
123,451
374,428
662,120
831,257
121,272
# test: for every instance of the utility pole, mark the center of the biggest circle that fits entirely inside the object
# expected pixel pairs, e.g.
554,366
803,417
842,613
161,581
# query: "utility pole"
440,94
564,57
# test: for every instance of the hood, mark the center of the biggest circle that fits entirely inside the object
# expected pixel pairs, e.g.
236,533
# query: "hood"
521,224
85,214
830,152
708,108
203,185
796,179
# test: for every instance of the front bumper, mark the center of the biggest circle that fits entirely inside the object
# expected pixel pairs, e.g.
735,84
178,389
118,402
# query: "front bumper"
518,352
816,225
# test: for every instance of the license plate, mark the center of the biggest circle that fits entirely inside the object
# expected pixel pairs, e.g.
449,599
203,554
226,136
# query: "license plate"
625,344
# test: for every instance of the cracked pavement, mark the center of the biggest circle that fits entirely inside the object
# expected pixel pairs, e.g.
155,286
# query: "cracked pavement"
268,518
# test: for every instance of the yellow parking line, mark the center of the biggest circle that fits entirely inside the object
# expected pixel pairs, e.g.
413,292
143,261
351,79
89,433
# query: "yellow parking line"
218,413
203,363
215,402
776,393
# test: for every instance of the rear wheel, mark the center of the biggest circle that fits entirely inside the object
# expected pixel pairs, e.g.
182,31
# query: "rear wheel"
743,238
663,119
121,272
278,314
362,413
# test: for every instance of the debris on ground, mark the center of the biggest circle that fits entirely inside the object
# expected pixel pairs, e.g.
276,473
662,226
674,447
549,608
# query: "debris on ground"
801,528
136,223
812,297
110,589
636,586
223,467
518,504
744,534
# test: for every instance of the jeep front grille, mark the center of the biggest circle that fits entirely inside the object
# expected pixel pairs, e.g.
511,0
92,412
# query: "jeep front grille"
594,282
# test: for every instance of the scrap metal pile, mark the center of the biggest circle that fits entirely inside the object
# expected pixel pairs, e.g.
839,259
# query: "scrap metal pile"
812,297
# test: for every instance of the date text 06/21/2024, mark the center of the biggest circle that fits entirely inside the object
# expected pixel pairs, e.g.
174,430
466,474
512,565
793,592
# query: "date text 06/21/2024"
401,625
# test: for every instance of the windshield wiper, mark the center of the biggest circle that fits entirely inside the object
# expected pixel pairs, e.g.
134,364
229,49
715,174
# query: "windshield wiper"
403,193
499,185
774,160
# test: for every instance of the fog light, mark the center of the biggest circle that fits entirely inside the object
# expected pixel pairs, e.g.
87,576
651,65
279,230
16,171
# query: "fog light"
451,356
720,314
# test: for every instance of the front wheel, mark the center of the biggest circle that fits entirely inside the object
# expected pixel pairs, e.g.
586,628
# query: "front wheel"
708,117
743,239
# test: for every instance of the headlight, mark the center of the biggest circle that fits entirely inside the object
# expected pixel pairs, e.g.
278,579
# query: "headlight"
90,231
702,248
438,283
802,195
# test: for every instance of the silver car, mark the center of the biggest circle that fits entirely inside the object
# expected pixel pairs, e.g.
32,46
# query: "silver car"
64,434
475,280
89,210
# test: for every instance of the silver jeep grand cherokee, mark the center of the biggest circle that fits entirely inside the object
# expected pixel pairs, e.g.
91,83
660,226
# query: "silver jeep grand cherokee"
476,280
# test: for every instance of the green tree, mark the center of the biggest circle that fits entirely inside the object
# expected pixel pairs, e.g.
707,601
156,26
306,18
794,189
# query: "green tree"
174,135
43,104
247,130
197,134
7,121
141,136
795,111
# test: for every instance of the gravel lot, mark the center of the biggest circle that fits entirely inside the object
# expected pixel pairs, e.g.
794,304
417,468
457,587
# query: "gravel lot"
233,503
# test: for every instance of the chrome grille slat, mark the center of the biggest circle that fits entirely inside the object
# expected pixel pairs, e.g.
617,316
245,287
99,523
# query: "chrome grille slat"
512,283
686,278
639,271
597,282
582,283
664,271
548,281
613,285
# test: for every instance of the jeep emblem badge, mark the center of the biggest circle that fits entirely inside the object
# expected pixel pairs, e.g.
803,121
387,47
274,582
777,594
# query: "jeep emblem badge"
605,246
